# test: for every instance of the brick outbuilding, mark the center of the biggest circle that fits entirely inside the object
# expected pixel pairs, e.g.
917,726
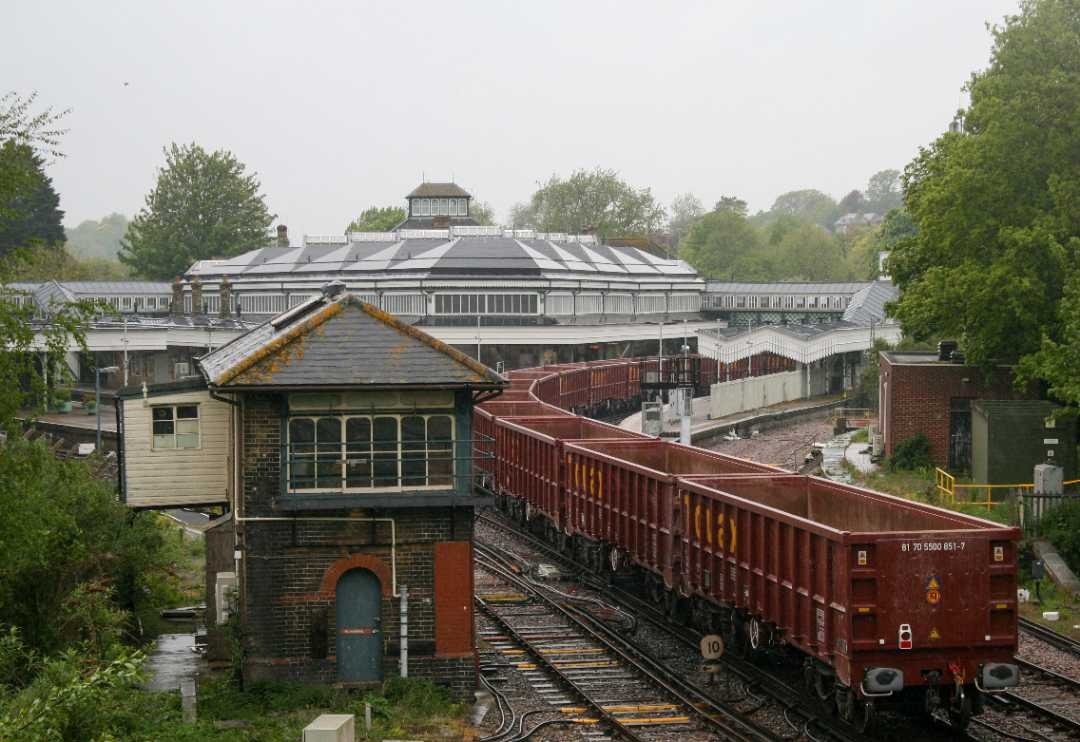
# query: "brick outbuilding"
920,392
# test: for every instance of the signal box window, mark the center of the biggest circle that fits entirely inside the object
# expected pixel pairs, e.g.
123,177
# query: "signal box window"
176,426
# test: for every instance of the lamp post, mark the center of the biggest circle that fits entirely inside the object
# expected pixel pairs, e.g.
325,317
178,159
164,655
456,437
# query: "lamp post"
97,400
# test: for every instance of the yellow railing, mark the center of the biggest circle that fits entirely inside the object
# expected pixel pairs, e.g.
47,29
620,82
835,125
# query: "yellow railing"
946,487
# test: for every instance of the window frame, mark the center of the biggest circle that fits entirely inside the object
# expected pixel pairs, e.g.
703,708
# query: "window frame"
343,445
175,422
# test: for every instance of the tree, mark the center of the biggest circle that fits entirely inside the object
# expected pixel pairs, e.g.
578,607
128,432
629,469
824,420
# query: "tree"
30,215
522,216
482,212
809,204
883,192
595,201
731,203
98,238
686,209
723,244
807,252
26,139
996,206
375,219
203,206
853,203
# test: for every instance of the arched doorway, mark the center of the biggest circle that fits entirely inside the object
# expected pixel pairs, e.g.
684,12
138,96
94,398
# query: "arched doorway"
359,635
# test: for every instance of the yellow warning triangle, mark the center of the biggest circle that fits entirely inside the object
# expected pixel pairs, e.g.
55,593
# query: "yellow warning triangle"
933,584
934,634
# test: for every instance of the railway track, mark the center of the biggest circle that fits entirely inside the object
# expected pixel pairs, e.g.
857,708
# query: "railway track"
588,675
1049,636
770,691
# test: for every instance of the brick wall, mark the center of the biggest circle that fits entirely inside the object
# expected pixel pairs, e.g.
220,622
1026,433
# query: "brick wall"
918,395
290,570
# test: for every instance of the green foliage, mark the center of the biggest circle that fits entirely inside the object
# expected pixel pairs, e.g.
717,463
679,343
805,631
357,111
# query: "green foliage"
97,239
18,662
592,201
686,210
73,698
723,244
1061,527
884,192
911,454
29,212
995,204
376,219
808,205
204,205
59,264
73,555
482,212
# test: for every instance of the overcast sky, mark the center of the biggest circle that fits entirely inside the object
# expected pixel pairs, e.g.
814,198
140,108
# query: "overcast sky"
343,105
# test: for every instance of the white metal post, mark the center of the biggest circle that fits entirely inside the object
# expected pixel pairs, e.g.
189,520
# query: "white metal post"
404,621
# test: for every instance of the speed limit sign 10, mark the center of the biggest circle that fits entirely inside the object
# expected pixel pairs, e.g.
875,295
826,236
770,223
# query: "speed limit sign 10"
712,647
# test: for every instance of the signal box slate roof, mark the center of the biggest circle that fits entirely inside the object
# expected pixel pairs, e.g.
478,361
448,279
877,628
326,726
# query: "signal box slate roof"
439,190
339,342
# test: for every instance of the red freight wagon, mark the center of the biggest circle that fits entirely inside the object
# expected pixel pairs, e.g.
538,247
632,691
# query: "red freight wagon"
547,388
619,492
574,388
483,431
609,382
886,594
529,455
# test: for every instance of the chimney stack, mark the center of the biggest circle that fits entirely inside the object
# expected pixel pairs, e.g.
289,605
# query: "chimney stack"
177,307
196,296
224,292
282,236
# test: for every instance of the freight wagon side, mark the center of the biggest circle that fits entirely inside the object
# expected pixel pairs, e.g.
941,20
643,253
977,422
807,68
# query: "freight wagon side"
620,493
529,456
484,416
889,598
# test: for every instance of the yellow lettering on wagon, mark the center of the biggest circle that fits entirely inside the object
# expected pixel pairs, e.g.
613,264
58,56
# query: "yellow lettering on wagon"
697,522
708,530
720,540
599,485
731,549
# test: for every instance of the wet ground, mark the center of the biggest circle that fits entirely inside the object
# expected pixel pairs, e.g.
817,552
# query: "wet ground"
173,660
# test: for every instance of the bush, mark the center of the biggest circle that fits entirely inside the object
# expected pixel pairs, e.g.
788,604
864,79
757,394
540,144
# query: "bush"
1061,527
911,454
74,557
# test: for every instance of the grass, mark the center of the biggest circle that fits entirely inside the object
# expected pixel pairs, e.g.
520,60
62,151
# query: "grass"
278,712
1053,598
862,435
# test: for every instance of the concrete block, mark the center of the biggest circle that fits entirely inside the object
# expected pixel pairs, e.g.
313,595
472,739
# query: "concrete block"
1056,567
1051,615
331,728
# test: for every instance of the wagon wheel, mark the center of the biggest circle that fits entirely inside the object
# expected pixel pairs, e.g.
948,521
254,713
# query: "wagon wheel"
845,703
614,559
656,590
960,711
824,686
754,634
735,637
865,716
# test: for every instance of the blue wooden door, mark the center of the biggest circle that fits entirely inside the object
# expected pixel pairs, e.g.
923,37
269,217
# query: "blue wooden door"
359,639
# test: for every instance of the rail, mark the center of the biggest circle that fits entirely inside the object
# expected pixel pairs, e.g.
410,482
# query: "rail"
946,486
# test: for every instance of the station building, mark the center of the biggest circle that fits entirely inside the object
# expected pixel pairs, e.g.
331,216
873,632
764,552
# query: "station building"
339,438
509,298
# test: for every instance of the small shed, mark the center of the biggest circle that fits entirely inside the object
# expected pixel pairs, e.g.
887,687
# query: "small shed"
1009,437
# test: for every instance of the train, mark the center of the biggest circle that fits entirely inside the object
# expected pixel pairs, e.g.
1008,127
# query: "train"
888,602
